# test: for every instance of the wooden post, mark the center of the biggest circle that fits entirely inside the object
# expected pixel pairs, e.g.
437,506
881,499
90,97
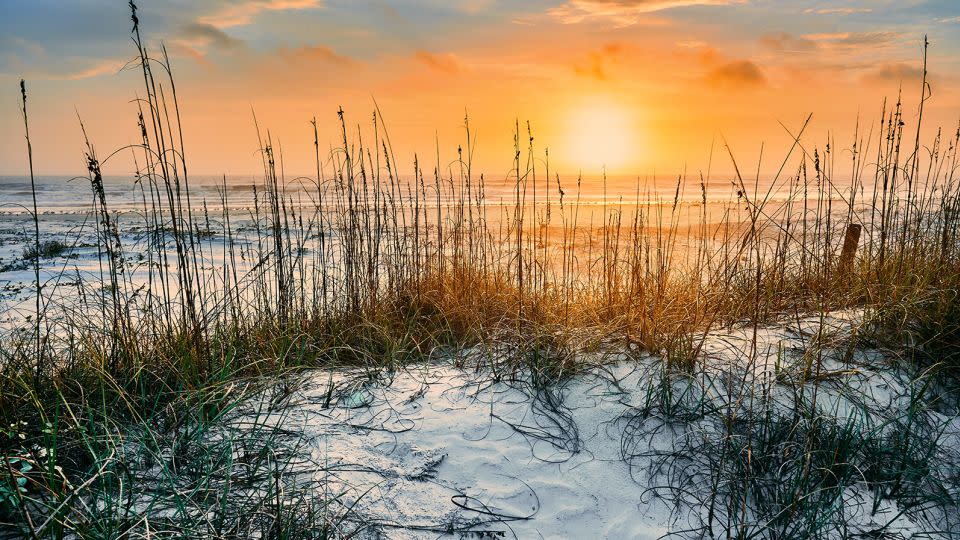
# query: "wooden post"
850,242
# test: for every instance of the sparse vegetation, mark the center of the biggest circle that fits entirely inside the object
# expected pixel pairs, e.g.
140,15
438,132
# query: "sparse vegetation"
48,250
128,384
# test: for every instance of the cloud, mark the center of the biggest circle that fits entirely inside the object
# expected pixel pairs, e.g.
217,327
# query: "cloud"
854,39
103,67
623,12
473,7
30,60
896,72
838,11
193,40
949,20
739,73
204,35
182,49
787,42
241,12
199,41
596,64
446,63
314,54
704,53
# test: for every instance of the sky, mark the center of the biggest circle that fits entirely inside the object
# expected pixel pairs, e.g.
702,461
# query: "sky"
633,87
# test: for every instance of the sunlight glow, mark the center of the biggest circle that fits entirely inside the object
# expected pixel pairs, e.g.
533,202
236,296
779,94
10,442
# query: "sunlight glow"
602,133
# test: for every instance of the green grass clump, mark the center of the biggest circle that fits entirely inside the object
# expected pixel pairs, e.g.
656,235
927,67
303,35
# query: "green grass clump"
47,250
110,399
740,456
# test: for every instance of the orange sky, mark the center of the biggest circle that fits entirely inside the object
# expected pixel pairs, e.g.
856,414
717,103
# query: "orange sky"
640,86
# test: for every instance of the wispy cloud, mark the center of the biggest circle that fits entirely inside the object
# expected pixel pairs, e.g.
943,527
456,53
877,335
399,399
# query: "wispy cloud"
314,54
838,11
446,63
474,6
195,40
623,12
739,73
896,72
103,67
854,39
787,42
183,49
204,35
241,12
596,64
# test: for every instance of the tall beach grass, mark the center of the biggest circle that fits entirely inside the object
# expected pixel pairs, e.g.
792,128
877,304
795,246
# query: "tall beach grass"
380,263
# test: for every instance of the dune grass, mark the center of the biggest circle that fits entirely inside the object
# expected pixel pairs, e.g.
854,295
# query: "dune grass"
363,265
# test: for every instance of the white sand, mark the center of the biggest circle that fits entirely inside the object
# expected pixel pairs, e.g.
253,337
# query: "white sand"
440,452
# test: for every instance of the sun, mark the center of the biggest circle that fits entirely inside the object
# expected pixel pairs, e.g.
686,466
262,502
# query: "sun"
601,134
